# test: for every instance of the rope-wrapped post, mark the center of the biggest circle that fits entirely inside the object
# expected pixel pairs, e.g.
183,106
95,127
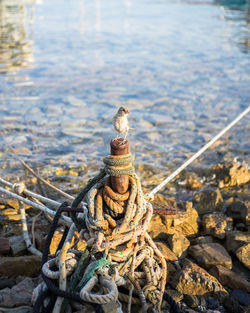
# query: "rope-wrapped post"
119,147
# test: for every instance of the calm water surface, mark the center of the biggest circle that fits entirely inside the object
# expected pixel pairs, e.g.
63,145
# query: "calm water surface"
182,67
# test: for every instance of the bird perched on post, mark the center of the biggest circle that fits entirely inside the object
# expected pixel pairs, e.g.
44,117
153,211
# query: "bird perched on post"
120,121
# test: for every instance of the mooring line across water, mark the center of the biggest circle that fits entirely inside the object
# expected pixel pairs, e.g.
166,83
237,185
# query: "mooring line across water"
151,194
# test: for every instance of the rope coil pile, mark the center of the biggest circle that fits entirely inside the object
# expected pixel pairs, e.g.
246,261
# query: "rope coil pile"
119,251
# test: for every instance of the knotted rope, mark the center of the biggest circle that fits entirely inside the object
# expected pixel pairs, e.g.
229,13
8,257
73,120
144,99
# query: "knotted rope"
114,226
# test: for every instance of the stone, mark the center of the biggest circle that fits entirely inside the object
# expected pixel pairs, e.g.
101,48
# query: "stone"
21,265
192,301
241,296
193,183
166,252
20,309
209,254
236,239
6,282
4,245
217,224
194,280
184,222
174,294
208,201
243,254
201,239
228,175
239,211
178,244
17,245
19,294
229,278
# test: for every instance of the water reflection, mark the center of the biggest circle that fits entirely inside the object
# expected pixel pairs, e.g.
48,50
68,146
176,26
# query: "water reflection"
16,18
238,11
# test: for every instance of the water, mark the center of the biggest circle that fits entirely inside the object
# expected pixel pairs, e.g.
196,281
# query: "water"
182,67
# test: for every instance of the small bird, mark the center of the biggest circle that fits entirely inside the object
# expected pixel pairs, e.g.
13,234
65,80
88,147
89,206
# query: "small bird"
120,121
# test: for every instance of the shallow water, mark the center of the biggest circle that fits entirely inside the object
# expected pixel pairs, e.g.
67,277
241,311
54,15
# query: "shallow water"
182,67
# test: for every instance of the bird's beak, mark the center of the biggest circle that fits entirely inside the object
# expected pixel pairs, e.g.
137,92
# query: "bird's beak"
127,112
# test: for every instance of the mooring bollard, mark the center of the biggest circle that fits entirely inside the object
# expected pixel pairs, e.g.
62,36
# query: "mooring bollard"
119,146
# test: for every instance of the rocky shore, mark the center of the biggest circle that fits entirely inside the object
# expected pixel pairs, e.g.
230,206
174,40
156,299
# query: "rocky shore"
206,244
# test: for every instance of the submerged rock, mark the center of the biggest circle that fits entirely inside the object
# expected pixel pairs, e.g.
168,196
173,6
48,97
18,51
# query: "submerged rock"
208,201
243,254
194,280
229,278
228,175
209,254
217,224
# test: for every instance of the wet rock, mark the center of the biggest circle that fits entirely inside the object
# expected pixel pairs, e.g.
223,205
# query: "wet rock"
193,183
22,265
192,301
241,296
4,245
184,222
243,254
174,294
231,174
17,245
239,211
6,282
179,244
217,224
19,294
229,278
194,280
202,239
209,254
236,239
167,253
20,309
208,201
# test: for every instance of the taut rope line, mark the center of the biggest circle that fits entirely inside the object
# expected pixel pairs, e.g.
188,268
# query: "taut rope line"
151,194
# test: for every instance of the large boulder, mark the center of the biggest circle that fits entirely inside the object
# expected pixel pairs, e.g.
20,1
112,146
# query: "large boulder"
208,201
209,254
228,175
229,278
194,280
217,224
183,222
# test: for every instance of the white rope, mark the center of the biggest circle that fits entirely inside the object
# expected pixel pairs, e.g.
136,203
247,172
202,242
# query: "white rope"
31,194
43,208
151,194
